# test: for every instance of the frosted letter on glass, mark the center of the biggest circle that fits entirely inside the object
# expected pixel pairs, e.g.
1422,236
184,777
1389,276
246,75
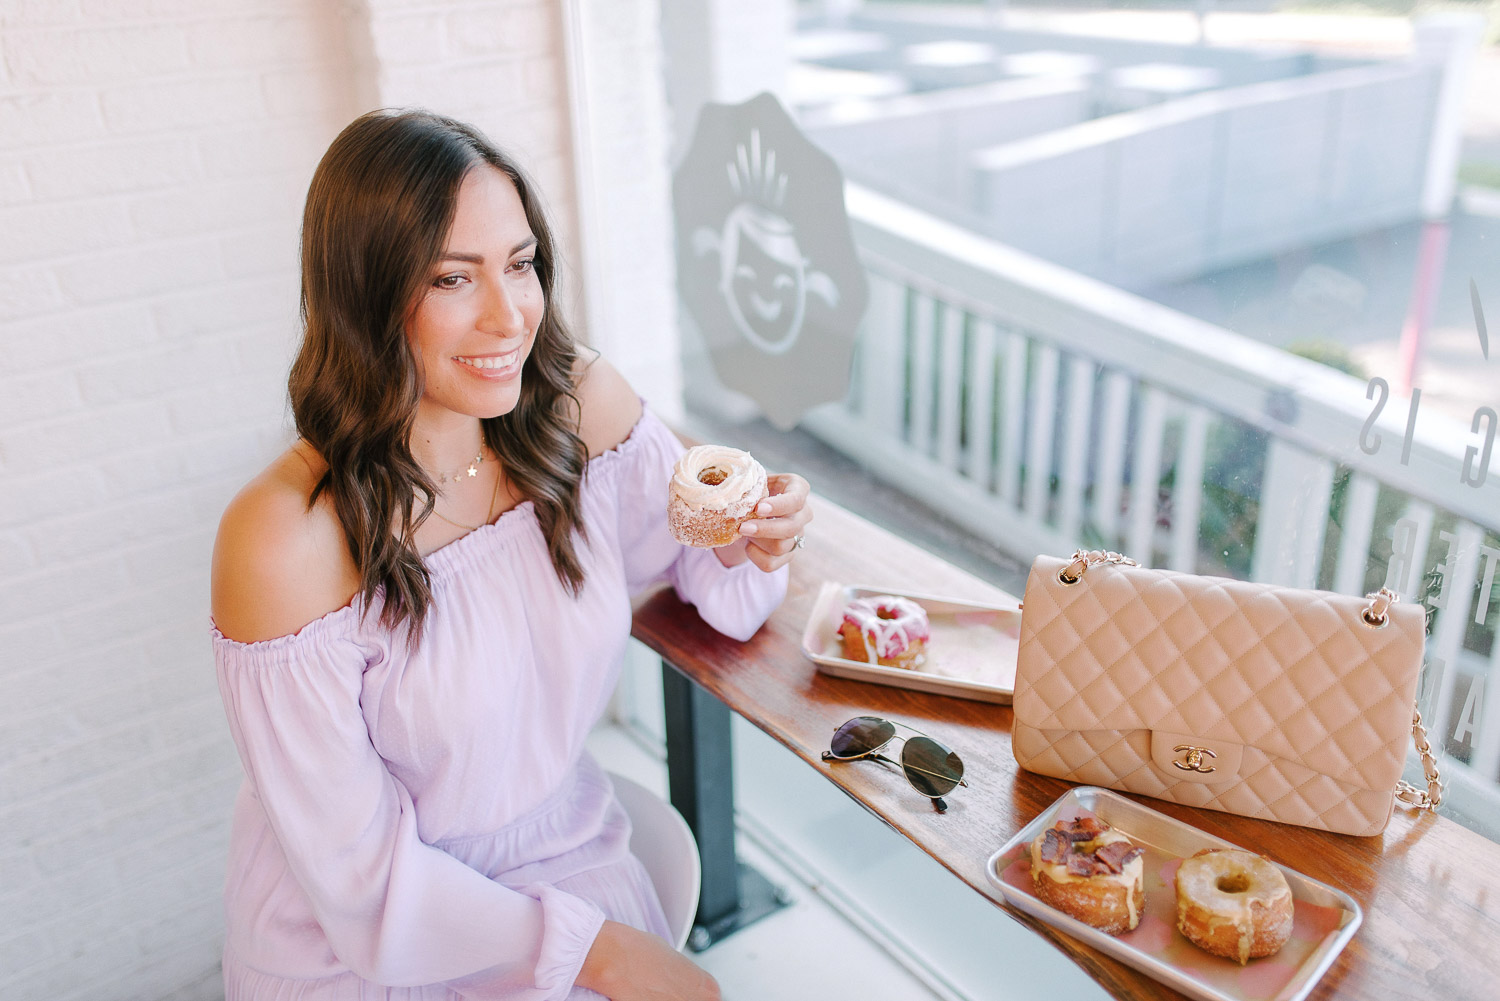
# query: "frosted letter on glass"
1469,475
1403,550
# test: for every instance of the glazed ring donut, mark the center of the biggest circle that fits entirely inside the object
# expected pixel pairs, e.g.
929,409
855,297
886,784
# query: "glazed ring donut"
714,489
1234,904
887,630
1090,871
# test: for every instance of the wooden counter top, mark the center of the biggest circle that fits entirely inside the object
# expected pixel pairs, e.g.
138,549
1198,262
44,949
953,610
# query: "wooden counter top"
1430,888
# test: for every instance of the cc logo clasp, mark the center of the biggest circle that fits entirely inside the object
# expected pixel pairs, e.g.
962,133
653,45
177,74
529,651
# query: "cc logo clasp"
1194,762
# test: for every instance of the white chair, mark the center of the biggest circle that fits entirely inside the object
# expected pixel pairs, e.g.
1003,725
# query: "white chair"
660,838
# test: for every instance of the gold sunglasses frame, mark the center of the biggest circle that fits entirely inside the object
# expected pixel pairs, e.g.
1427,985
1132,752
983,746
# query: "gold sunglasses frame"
874,753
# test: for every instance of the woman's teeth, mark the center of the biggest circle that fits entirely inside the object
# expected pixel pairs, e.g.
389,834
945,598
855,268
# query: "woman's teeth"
491,361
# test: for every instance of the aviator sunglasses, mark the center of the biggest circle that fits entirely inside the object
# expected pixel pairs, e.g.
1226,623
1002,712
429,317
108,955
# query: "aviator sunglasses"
932,769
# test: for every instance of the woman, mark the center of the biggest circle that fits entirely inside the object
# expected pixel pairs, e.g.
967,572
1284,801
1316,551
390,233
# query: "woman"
421,608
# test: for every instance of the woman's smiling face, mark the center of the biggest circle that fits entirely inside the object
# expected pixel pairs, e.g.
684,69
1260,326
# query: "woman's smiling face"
473,325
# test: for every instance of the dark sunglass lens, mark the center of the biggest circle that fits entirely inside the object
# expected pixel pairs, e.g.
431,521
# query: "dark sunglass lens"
861,735
930,766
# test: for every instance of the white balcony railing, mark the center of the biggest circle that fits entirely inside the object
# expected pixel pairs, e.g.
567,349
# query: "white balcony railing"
1043,410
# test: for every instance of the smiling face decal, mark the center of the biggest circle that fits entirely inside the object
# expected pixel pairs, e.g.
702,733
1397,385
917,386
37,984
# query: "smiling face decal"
763,274
773,286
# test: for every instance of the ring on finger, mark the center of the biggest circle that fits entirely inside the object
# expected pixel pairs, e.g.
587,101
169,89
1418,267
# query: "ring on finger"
799,541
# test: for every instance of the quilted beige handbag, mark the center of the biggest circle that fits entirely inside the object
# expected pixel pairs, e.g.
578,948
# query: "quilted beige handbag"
1271,702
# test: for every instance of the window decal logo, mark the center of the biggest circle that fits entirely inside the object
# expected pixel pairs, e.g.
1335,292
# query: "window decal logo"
766,264
763,276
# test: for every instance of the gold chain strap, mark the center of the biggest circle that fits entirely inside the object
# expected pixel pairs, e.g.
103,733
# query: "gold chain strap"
1378,614
1375,616
1410,794
1083,559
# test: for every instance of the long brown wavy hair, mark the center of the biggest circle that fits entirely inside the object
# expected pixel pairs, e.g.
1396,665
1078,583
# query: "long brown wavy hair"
377,216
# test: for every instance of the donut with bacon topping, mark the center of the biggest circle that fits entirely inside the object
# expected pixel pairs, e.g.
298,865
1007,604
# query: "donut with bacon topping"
1090,871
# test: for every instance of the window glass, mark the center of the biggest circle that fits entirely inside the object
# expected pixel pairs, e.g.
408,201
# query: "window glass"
1206,289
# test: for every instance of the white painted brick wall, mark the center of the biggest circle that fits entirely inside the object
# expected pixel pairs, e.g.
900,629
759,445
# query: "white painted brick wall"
153,159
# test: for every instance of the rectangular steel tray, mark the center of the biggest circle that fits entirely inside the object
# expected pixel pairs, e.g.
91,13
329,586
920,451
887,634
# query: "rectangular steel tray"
1325,918
972,653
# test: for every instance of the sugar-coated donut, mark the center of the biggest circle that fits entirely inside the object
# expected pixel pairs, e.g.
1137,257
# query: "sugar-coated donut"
1234,904
1090,871
886,630
714,489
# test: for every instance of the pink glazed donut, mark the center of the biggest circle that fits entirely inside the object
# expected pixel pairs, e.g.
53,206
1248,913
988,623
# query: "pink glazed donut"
886,630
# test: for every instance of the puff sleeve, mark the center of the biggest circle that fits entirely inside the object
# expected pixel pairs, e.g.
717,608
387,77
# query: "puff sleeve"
737,600
376,899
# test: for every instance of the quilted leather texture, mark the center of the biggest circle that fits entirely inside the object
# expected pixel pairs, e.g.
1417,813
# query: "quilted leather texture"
1317,703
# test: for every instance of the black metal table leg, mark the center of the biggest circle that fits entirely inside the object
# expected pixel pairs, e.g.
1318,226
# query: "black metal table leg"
700,783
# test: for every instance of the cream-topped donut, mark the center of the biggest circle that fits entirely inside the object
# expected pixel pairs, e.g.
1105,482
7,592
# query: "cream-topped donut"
1234,904
714,489
1090,871
887,630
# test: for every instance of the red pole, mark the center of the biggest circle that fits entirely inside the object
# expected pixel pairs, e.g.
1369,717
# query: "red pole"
1429,279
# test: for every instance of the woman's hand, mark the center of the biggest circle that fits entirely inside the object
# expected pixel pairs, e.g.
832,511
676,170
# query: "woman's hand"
779,523
626,964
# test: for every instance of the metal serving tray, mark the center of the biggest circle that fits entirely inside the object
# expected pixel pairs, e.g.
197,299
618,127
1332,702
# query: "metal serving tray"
1324,922
972,653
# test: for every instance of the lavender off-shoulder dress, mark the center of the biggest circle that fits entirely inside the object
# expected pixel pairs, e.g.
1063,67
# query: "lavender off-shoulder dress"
428,825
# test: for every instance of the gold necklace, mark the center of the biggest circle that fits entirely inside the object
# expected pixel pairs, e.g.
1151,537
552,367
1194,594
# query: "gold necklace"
471,470
489,512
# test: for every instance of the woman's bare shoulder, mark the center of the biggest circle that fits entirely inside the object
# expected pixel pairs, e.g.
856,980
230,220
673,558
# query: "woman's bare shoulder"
279,564
608,407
